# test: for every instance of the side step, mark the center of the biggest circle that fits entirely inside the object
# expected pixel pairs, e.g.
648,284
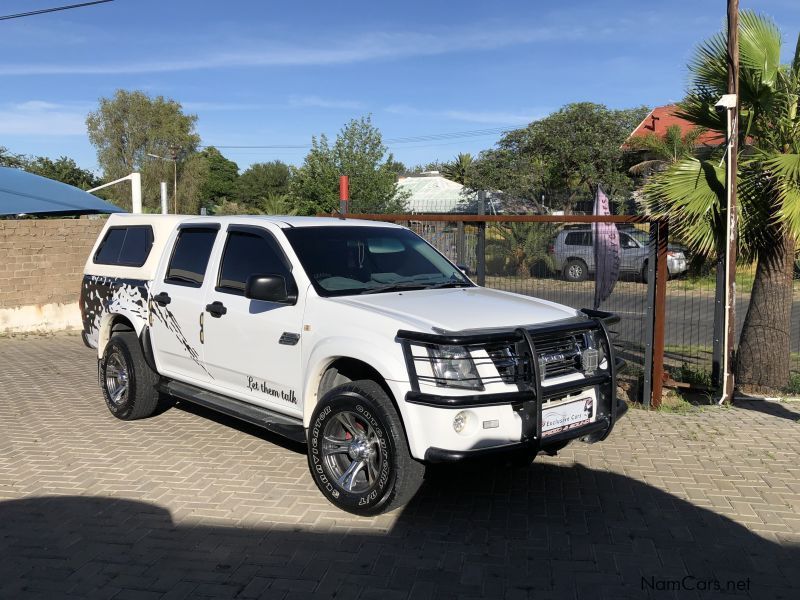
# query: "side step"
288,427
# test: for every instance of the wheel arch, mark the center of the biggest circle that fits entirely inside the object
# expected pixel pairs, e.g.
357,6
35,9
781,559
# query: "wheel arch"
338,370
111,323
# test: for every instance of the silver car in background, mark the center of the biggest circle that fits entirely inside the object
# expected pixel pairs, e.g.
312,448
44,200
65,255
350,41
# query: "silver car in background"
573,253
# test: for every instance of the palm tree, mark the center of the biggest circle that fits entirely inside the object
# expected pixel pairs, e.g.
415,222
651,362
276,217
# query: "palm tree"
276,204
663,151
459,169
523,247
691,191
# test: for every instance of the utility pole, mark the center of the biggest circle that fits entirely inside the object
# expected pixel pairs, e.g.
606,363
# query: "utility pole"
730,207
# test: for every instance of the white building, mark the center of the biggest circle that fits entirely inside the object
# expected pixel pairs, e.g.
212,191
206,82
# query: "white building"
430,192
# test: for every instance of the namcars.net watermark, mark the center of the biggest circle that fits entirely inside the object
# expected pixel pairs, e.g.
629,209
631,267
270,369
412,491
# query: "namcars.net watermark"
697,584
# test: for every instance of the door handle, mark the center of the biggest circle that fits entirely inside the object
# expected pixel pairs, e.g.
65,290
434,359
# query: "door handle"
163,298
216,309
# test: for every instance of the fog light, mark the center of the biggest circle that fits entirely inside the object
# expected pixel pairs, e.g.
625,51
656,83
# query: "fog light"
460,422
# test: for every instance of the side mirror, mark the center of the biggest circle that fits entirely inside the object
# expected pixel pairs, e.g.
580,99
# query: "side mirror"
464,269
269,288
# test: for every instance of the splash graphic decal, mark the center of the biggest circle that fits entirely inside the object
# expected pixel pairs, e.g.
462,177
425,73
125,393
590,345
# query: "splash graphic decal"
101,295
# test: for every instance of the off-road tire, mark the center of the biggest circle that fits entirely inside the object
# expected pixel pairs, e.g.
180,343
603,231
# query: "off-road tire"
386,480
575,270
140,398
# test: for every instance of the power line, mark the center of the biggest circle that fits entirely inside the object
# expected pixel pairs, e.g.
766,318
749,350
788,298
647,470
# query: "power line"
50,10
389,142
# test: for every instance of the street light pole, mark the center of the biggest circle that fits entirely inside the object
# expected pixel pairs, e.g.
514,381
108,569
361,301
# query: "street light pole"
730,205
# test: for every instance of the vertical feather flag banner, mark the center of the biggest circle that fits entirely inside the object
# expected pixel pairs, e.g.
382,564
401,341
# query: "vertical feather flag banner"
606,251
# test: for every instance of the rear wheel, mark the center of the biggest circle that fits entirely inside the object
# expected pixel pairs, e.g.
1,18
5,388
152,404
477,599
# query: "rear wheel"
127,382
575,270
358,454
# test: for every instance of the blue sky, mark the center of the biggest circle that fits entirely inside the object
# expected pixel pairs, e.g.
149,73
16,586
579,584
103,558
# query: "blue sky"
276,73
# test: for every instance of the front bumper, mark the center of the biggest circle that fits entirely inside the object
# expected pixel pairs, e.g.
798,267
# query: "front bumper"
524,406
591,432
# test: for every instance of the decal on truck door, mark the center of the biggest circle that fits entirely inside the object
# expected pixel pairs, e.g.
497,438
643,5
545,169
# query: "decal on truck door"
101,295
168,320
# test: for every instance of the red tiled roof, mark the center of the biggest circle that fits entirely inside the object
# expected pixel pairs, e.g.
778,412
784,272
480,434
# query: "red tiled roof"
663,117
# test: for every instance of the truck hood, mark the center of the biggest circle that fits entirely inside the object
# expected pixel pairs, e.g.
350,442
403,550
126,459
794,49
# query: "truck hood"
457,309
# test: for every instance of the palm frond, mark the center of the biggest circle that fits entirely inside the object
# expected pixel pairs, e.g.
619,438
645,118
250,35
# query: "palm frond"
690,194
759,46
785,169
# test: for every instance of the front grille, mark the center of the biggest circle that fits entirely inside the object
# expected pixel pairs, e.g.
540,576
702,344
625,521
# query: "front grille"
560,355
557,355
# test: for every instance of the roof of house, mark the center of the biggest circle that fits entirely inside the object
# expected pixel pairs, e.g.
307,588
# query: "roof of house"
432,193
662,118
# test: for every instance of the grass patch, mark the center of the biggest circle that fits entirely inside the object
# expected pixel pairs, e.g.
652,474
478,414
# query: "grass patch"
673,403
691,374
793,387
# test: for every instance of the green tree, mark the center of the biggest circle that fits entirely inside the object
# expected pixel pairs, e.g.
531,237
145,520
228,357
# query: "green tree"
221,178
7,159
458,170
522,247
661,151
691,192
359,153
263,179
63,169
129,126
277,204
564,156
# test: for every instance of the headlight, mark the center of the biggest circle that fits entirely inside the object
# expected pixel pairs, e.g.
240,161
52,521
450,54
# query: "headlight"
453,367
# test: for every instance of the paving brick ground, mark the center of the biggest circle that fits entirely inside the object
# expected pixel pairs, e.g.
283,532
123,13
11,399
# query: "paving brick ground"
186,506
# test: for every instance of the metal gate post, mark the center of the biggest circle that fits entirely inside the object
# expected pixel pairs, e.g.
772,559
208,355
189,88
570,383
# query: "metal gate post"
461,247
719,322
650,315
481,249
660,312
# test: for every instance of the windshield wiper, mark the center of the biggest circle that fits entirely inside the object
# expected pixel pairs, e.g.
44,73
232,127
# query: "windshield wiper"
448,284
396,287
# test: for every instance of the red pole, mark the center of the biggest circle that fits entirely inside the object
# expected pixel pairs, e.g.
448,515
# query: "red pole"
344,193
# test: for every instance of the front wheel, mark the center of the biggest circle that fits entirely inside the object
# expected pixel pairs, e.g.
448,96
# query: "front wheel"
357,451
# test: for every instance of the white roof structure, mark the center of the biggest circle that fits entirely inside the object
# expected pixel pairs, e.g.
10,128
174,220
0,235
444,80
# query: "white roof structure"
432,193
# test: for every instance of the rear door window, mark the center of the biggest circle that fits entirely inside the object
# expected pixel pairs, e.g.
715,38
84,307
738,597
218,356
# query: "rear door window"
187,265
578,238
125,246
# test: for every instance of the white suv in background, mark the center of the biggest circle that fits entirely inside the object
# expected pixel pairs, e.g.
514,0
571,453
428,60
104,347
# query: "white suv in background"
573,253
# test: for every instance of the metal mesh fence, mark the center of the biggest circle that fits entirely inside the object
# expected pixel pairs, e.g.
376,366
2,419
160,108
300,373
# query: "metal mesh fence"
554,262
531,258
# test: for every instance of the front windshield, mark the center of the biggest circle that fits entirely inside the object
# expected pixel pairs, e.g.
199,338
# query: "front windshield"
360,260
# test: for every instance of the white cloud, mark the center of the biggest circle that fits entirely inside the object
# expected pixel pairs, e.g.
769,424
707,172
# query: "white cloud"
290,103
263,53
36,117
470,116
317,102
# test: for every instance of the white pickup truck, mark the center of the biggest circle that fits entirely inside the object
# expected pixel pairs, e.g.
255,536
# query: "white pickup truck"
354,337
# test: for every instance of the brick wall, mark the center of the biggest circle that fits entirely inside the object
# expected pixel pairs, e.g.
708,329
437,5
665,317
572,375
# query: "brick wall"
41,260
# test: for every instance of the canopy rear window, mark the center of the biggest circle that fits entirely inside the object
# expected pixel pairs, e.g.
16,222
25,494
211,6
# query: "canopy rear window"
125,246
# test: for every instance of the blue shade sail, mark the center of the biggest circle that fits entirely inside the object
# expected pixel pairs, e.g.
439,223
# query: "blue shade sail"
29,194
